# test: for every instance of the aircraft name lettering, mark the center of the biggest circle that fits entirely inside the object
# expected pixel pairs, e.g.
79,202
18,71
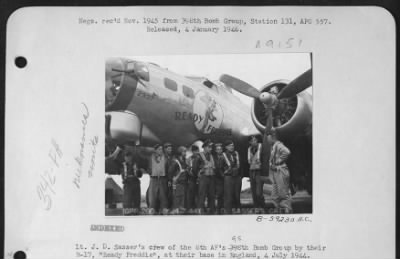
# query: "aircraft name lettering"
180,116
211,111
221,132
212,130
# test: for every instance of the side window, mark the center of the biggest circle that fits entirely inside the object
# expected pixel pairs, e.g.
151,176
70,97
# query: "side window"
170,84
188,92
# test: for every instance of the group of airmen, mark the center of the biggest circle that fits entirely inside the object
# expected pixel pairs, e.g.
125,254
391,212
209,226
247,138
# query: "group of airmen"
207,182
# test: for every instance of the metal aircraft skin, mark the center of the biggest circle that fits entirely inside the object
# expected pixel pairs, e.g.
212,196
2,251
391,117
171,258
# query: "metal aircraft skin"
147,104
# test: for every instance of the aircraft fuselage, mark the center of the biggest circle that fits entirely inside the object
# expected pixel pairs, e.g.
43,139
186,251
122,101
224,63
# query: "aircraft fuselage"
181,110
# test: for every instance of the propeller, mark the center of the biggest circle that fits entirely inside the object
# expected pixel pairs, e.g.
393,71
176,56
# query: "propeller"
122,78
111,64
111,88
131,72
270,101
115,67
299,84
240,86
296,86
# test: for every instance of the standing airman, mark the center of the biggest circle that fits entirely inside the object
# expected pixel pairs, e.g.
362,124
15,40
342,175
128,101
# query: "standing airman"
169,159
178,174
204,167
254,158
192,190
130,178
279,174
220,165
232,179
158,189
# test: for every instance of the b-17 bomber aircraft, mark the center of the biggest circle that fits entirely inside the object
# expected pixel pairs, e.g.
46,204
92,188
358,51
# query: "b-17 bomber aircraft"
148,104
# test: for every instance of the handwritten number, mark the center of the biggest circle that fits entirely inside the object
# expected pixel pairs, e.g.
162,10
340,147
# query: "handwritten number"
45,184
51,177
283,219
45,198
289,43
53,157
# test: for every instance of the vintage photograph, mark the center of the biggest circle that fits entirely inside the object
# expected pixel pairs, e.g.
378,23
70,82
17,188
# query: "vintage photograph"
216,142
208,134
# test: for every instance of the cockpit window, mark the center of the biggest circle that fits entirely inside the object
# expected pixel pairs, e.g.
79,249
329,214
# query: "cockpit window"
210,85
170,84
205,82
188,92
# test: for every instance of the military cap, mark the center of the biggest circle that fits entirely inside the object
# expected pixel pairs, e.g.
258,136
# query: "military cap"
167,144
228,143
207,143
219,144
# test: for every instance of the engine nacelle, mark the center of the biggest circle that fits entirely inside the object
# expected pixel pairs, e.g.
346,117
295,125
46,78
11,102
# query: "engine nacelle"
124,127
292,116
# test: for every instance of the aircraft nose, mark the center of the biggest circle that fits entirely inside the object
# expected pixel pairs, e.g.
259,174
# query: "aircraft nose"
113,63
120,87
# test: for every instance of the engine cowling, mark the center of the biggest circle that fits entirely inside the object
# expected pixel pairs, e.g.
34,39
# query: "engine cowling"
126,128
292,116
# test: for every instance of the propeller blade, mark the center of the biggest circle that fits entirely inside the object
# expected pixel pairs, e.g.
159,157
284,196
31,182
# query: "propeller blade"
266,150
132,73
266,146
112,67
298,85
240,86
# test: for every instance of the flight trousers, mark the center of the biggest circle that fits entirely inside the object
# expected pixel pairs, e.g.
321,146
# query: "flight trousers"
232,189
179,194
131,196
280,194
192,194
158,192
256,185
207,190
219,192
